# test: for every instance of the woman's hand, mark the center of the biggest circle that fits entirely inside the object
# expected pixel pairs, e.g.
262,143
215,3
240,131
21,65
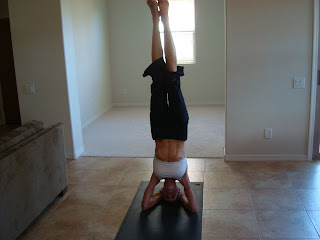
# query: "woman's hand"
157,193
181,196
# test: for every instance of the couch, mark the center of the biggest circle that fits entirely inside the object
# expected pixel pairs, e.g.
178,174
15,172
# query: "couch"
32,174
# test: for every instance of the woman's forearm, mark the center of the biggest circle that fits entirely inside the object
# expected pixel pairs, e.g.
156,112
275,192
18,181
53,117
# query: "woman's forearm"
149,201
154,200
188,200
192,206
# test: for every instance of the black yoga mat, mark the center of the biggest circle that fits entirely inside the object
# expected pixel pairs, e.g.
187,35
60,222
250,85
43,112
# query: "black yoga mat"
165,221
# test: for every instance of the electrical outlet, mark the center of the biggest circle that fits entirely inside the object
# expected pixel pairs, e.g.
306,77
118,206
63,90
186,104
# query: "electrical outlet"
124,91
268,133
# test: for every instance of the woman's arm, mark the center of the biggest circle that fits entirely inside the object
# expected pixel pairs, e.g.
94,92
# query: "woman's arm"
187,200
148,200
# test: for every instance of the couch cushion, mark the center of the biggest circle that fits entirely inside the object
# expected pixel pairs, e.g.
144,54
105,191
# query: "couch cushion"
19,134
36,125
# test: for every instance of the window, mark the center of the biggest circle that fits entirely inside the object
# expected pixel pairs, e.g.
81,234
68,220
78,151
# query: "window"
182,24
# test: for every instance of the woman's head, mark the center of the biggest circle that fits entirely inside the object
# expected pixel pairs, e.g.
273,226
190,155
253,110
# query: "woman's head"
170,191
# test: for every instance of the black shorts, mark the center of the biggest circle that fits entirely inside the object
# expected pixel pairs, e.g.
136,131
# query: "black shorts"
168,113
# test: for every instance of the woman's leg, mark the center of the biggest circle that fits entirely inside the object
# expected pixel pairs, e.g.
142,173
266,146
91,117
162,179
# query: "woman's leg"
177,108
157,70
157,50
169,48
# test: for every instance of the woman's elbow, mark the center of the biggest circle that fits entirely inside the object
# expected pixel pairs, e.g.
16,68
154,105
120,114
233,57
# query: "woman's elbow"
144,207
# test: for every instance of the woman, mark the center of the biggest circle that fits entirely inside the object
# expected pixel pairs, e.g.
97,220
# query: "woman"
168,118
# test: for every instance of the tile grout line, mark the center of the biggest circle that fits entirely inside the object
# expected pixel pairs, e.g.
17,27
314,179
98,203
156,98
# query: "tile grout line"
64,197
254,213
109,199
297,195
38,228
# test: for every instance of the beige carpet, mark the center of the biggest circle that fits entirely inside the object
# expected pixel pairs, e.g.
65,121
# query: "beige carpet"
125,132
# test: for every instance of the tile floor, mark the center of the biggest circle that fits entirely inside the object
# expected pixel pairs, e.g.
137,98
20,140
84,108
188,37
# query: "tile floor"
242,200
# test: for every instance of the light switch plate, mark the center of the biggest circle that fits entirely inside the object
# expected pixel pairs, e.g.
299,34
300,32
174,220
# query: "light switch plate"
29,88
299,82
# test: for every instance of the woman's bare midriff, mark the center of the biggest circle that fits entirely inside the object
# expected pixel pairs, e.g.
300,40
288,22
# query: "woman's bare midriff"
169,150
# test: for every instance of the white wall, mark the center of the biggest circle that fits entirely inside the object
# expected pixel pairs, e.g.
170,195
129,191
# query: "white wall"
38,49
91,45
130,34
267,45
72,83
4,11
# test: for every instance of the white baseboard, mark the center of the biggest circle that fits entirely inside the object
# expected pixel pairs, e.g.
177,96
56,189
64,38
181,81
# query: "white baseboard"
204,103
95,117
148,104
75,155
131,104
266,157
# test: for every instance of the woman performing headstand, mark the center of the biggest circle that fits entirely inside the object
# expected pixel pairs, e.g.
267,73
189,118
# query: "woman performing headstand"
168,118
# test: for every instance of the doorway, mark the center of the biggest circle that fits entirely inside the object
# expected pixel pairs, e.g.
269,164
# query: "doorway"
10,110
122,99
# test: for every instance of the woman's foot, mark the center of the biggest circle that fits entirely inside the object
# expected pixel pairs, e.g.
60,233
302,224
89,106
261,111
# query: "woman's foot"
164,10
153,5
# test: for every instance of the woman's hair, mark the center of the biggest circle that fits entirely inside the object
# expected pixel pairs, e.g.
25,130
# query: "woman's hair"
170,191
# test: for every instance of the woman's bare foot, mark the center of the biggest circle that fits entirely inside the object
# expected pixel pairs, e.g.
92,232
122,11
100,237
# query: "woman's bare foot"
164,10
153,5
